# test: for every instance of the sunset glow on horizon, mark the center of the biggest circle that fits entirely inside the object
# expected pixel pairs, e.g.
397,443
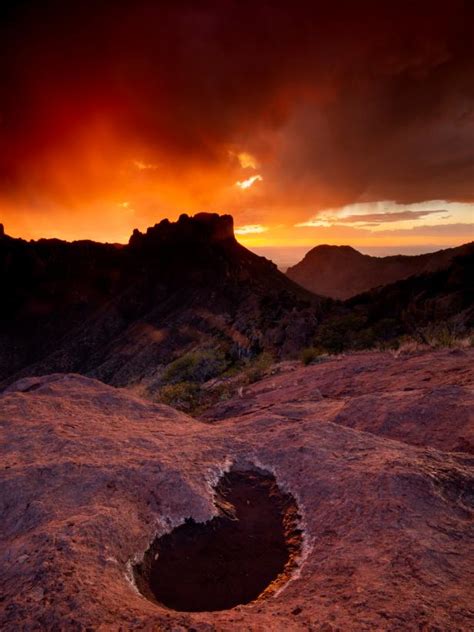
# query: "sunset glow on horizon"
304,130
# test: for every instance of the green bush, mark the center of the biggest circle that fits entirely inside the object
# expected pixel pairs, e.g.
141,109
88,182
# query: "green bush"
195,366
221,393
386,329
182,395
339,333
364,339
259,367
310,355
441,336
353,332
389,345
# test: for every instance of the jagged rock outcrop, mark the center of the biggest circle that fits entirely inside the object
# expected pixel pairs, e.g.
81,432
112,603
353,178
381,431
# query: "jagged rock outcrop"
342,272
120,313
200,228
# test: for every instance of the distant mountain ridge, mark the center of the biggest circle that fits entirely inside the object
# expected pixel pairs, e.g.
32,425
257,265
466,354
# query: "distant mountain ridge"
188,292
342,272
121,312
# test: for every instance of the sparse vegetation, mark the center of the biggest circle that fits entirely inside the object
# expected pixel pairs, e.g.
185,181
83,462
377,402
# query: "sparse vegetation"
258,367
183,378
356,332
341,333
182,395
196,366
442,335
187,383
310,355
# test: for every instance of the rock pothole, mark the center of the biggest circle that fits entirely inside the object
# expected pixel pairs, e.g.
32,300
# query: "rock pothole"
248,551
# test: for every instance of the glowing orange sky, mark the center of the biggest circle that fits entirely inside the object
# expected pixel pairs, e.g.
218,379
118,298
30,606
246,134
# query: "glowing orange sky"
309,123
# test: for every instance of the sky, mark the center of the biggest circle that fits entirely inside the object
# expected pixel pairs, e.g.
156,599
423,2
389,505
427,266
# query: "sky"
341,122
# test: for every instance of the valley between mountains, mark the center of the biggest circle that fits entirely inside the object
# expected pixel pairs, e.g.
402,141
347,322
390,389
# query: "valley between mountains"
192,442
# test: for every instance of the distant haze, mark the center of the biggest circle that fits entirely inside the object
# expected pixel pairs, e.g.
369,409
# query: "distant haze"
286,256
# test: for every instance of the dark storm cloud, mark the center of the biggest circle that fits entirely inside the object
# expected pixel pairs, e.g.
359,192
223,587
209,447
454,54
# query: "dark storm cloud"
339,100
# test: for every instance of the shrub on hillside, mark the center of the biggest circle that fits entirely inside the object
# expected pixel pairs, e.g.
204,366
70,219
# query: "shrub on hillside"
310,355
441,336
339,333
182,395
195,366
259,367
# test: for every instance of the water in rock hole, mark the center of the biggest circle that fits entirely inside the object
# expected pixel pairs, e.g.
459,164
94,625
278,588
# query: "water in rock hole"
250,547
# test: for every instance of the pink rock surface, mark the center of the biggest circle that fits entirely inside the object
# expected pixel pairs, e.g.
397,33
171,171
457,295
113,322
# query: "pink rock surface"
425,399
91,474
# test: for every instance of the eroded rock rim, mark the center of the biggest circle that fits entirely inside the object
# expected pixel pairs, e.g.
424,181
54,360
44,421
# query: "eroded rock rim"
246,552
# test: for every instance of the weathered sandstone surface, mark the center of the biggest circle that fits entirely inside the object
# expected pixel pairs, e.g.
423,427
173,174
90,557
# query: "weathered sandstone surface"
373,453
424,399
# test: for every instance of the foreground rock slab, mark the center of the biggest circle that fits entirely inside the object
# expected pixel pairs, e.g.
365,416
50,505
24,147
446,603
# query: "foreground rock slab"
424,398
91,475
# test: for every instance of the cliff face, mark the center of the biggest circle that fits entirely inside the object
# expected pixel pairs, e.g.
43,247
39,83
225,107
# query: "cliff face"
121,312
208,228
342,272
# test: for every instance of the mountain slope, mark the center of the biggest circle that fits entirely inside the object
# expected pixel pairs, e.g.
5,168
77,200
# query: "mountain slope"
121,313
342,272
434,307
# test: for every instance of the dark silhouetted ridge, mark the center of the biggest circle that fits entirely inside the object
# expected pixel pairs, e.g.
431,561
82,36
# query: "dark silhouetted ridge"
122,312
341,271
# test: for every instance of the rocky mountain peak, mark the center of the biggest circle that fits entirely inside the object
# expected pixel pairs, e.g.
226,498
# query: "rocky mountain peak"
200,228
342,272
